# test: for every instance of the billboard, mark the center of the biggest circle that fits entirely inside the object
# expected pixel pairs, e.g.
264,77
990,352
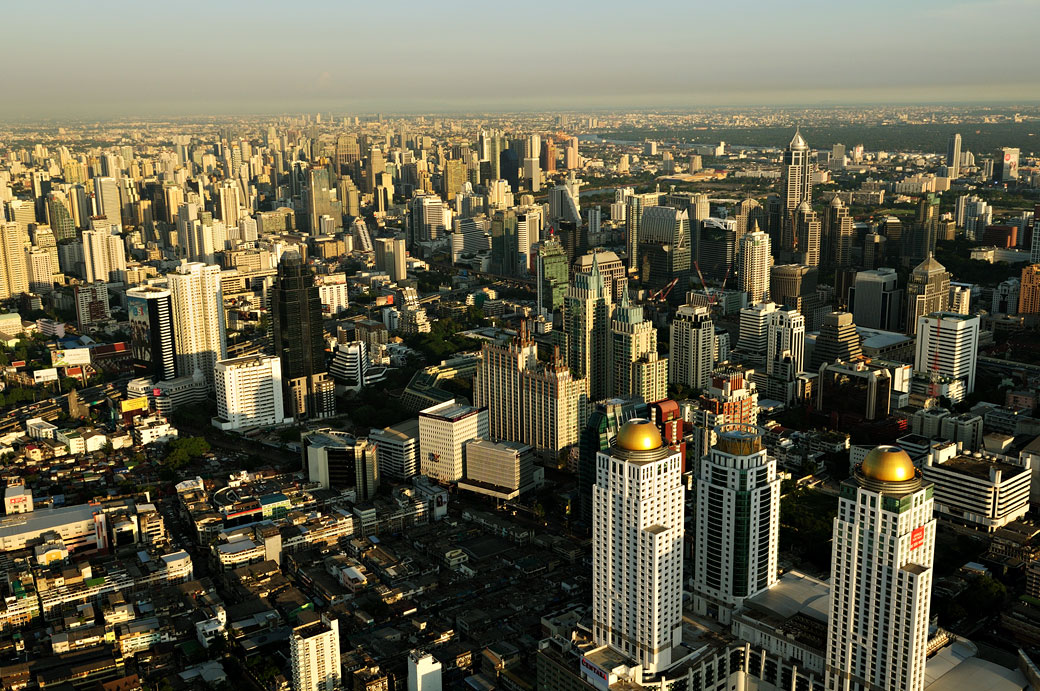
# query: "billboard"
44,375
130,404
72,357
917,538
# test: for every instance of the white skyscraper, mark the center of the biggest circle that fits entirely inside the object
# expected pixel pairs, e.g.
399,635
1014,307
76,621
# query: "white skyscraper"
106,199
753,265
103,254
14,275
314,652
881,573
424,672
443,431
691,353
785,338
738,522
249,392
948,344
754,328
198,318
637,534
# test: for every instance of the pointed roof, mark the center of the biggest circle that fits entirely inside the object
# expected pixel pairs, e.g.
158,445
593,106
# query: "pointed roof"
798,142
624,295
836,202
929,266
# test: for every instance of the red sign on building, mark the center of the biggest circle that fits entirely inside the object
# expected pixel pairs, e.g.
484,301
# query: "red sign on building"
917,538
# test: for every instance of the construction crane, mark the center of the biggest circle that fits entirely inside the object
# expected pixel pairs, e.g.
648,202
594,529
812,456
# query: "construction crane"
662,294
712,297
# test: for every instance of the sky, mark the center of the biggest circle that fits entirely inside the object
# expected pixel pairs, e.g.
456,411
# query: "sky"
68,59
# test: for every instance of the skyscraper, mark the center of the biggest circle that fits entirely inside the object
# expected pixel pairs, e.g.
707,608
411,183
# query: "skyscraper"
786,339
948,345
753,265
249,392
199,333
807,235
103,254
151,332
391,257
664,247
1029,290
953,156
838,340
637,547
875,299
14,275
636,368
927,291
299,340
796,187
691,353
314,653
106,199
881,576
586,320
552,273
838,234
738,522
633,216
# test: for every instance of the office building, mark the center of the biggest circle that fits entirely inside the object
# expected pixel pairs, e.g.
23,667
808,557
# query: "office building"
737,536
785,339
793,285
837,340
636,370
103,255
796,172
716,248
106,200
1005,166
838,234
881,576
391,257
875,299
633,218
754,329
953,156
424,672
339,461
552,274
444,430
1029,290
299,340
947,345
753,265
398,449
750,217
637,547
807,230
152,341
664,246
610,267
199,333
249,392
976,490
586,321
91,304
503,470
1005,297
927,291
853,388
691,347
527,401
314,653
604,421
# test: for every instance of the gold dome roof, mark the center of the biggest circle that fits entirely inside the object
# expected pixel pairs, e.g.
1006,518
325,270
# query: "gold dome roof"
888,464
639,434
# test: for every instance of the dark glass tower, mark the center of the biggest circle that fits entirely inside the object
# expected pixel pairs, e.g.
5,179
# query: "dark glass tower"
299,340
151,332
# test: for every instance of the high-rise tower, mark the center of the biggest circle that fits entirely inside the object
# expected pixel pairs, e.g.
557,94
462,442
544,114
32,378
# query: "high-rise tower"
198,319
636,369
881,576
738,522
691,352
796,187
953,156
927,291
586,320
637,547
299,340
151,332
753,265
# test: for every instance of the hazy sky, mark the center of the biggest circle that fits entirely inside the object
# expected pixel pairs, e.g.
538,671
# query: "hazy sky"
105,58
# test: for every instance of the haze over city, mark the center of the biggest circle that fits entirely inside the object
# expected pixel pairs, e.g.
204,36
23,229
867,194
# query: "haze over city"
265,57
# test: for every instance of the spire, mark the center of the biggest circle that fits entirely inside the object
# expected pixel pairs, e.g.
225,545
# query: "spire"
624,295
798,142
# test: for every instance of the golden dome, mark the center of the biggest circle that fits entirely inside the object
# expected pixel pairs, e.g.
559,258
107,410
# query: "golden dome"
888,464
639,434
